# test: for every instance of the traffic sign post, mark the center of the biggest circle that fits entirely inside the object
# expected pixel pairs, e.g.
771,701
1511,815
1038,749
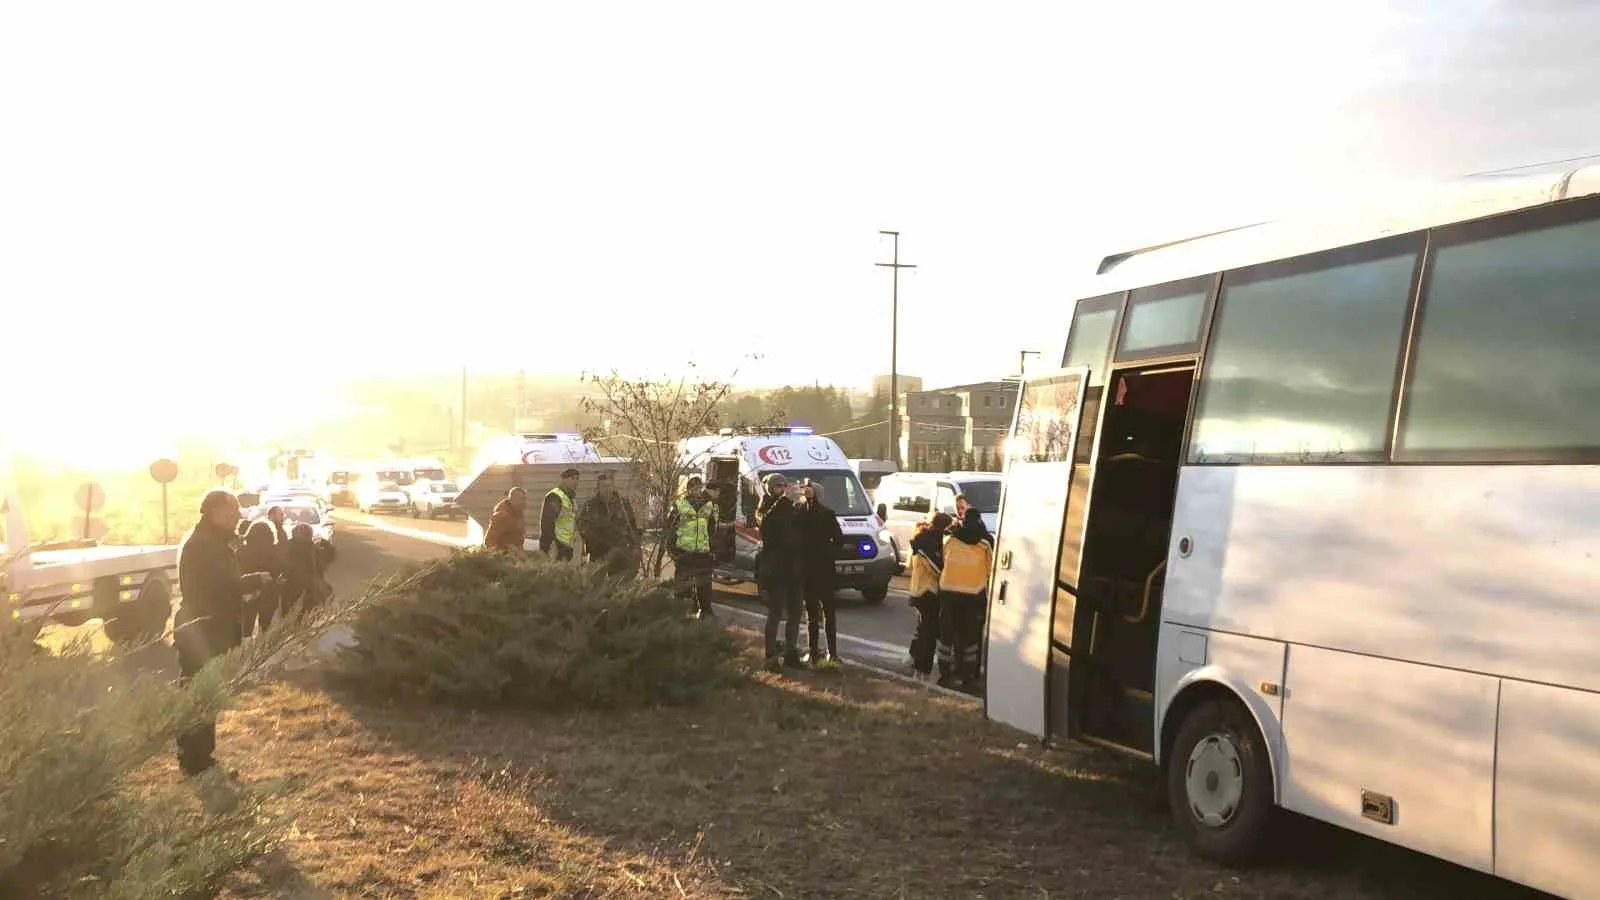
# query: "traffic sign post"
90,498
164,471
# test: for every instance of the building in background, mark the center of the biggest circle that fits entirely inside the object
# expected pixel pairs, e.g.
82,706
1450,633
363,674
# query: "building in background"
907,383
959,427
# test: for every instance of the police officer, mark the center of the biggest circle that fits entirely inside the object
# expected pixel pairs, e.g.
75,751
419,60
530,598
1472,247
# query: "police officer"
558,525
692,519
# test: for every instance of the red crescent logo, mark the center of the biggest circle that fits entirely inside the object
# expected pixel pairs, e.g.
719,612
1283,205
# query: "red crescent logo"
774,455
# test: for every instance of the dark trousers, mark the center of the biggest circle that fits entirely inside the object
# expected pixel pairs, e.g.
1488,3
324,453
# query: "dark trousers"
692,577
960,637
926,637
561,551
620,561
819,611
783,598
197,643
260,612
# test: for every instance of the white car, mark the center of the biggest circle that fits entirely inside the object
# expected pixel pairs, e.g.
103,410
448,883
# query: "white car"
321,523
436,498
384,496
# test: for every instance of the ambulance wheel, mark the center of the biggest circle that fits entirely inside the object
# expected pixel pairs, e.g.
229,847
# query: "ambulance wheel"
1219,783
875,593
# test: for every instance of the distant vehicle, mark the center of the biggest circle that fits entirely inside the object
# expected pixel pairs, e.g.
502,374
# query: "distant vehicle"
436,498
71,582
530,448
423,470
736,462
871,471
382,496
906,498
338,489
321,523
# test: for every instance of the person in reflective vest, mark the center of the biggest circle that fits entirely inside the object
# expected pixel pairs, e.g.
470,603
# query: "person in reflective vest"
691,521
558,524
963,586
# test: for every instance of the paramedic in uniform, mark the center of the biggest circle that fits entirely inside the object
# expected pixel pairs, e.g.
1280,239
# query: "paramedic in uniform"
210,614
558,523
691,520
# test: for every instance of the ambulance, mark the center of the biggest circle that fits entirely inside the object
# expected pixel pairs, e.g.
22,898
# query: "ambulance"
531,448
733,463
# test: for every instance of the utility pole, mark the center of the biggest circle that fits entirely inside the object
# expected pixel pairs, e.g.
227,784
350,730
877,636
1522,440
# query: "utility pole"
1022,361
463,409
894,346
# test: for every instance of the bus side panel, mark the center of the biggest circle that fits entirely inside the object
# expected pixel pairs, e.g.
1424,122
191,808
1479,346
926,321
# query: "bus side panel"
1358,729
1547,788
1490,569
1246,666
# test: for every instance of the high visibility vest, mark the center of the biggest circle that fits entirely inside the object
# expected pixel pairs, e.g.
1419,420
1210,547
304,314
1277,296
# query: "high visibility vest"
567,519
694,527
966,566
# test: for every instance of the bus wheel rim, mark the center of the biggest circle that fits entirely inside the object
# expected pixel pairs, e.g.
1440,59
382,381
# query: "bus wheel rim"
1214,780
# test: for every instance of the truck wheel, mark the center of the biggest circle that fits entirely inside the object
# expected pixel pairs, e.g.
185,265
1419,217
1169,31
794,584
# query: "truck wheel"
145,618
875,593
1219,783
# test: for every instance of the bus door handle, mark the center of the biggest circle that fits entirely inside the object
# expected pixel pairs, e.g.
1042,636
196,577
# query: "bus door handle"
1144,601
1001,599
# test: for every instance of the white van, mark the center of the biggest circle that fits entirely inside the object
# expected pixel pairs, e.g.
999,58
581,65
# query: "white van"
907,498
734,463
871,471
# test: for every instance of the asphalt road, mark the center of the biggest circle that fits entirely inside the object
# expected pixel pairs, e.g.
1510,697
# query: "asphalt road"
370,546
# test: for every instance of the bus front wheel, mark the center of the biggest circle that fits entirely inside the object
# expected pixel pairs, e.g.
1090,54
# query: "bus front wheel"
1219,783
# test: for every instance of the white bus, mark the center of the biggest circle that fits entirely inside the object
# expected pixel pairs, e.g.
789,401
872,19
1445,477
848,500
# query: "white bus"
1311,518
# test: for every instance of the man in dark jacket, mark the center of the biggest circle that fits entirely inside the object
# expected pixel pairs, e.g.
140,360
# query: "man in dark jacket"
822,538
610,533
780,570
507,529
209,615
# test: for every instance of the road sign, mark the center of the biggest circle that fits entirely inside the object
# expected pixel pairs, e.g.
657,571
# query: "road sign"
164,471
90,497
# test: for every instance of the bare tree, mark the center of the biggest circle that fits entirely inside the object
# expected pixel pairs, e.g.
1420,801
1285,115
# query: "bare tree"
642,420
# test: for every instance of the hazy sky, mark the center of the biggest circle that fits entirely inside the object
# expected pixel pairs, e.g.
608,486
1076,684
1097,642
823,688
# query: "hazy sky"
350,187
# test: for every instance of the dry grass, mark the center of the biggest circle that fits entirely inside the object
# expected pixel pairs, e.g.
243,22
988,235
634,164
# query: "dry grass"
820,785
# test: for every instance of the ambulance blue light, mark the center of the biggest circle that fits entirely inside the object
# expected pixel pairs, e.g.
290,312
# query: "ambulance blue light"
802,429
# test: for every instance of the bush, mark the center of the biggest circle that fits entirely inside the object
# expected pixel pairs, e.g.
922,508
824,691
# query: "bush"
501,629
83,812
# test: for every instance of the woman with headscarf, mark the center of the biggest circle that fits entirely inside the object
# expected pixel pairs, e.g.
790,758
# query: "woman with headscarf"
963,590
260,553
927,563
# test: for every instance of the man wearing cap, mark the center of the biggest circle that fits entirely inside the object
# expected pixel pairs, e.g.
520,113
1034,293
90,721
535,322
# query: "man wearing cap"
558,524
507,527
610,533
210,613
690,522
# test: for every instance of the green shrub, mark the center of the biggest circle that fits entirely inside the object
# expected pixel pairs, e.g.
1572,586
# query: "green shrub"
499,629
83,812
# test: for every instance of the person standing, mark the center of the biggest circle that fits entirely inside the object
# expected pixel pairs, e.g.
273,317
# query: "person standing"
780,570
610,532
963,585
507,528
261,553
690,523
558,523
927,565
822,538
208,622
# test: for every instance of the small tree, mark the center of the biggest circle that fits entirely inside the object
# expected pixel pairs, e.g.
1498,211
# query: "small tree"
643,419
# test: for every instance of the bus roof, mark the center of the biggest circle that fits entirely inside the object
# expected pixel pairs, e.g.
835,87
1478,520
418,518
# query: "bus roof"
1432,206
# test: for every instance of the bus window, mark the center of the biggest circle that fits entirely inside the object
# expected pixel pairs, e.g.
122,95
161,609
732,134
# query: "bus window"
1302,357
1165,320
1504,362
1094,321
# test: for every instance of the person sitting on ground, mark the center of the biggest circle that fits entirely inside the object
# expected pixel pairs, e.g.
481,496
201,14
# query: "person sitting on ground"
927,564
507,529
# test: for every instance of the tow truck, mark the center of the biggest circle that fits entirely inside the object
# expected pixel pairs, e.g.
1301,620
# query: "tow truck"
70,582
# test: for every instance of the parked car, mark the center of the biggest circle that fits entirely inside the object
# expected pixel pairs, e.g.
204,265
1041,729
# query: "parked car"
321,526
906,498
436,498
383,496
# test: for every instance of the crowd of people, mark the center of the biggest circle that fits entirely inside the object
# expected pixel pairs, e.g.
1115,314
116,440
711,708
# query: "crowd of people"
235,576
951,557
